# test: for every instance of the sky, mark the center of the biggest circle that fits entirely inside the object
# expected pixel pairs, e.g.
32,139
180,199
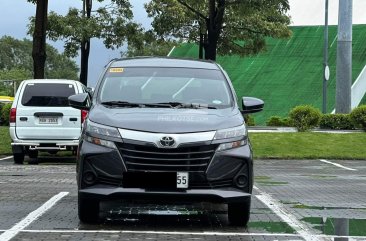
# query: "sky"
15,13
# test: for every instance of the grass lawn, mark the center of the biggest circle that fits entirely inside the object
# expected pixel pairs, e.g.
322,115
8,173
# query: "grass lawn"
282,145
309,145
5,148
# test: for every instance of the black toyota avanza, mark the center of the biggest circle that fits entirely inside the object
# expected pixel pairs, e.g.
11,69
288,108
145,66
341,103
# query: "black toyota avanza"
165,129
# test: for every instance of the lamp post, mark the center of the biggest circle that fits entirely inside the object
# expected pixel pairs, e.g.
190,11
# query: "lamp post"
344,57
326,58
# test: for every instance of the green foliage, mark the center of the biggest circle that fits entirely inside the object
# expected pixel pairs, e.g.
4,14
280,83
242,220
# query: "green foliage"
304,117
16,74
358,116
5,111
149,45
249,120
16,61
336,122
234,27
5,89
278,121
112,23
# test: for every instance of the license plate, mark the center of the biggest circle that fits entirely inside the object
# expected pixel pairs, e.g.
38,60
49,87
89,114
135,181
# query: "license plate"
182,179
48,120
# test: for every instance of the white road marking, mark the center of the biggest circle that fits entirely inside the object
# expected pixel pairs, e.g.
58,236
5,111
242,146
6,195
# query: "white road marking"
280,211
337,165
4,158
13,231
186,233
163,233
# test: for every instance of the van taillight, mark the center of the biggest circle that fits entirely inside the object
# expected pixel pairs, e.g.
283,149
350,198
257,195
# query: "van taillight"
84,114
13,115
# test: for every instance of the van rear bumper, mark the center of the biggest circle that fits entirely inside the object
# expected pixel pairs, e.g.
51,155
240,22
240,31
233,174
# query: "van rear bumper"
47,144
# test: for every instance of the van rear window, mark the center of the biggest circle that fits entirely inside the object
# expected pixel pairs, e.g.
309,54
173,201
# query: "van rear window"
47,94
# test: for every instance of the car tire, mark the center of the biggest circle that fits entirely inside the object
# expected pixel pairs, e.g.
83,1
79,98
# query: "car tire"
18,158
32,153
88,210
239,213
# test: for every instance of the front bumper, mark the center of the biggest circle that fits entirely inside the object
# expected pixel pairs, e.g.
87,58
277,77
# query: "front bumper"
218,183
229,195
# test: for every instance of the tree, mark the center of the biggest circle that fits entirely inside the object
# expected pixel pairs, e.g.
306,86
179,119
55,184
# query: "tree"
224,26
39,38
113,23
149,45
16,61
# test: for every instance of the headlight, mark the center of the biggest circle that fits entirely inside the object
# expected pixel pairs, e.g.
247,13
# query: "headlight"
94,129
239,131
101,130
100,142
235,132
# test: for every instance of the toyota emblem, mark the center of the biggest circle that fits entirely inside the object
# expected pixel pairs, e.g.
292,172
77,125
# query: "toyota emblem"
167,141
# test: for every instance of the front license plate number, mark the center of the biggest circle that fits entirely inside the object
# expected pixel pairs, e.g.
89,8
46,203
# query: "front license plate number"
182,179
48,120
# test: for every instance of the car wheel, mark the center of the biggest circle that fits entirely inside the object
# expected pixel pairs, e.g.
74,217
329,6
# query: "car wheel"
88,210
18,158
32,153
239,213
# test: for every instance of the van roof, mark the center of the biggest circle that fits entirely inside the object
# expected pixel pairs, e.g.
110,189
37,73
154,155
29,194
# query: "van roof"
49,81
163,62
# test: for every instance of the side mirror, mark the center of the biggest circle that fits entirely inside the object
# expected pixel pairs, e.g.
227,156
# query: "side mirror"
90,91
251,105
80,101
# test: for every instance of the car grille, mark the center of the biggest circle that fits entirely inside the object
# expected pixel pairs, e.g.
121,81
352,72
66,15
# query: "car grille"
151,158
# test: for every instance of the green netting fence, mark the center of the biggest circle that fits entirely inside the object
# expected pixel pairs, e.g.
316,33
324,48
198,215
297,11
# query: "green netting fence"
290,71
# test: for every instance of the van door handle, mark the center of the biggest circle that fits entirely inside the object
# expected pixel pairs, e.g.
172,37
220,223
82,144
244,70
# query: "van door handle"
23,119
73,119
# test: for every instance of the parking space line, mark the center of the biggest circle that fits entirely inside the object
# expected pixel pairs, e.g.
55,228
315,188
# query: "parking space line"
280,211
337,165
68,231
13,231
4,158
314,236
163,232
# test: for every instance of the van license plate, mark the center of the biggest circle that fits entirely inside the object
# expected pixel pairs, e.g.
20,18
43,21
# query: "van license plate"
182,179
48,120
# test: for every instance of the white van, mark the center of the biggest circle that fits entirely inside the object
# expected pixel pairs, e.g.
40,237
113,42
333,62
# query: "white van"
41,119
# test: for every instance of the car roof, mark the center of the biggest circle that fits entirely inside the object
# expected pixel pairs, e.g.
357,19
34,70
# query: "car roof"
51,81
163,62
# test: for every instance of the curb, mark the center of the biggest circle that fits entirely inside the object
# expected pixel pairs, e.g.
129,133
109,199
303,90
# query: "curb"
271,129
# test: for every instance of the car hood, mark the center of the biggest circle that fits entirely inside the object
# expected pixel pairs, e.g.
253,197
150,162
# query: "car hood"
166,120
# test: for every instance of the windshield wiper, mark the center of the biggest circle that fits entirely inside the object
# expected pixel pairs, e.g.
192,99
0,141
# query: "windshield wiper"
179,105
121,103
131,104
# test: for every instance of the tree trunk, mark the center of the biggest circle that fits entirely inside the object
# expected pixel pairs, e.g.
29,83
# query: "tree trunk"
214,26
211,47
85,47
39,40
200,54
84,65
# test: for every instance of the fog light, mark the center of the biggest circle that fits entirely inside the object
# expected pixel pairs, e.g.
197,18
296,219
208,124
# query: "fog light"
241,181
89,178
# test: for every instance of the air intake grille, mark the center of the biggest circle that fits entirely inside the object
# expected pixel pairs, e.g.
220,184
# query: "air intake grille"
151,158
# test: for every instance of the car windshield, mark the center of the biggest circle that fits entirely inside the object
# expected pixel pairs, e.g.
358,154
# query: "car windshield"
47,94
166,85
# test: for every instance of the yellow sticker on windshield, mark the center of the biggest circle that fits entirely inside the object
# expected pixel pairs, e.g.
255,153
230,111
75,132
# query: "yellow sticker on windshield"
116,70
